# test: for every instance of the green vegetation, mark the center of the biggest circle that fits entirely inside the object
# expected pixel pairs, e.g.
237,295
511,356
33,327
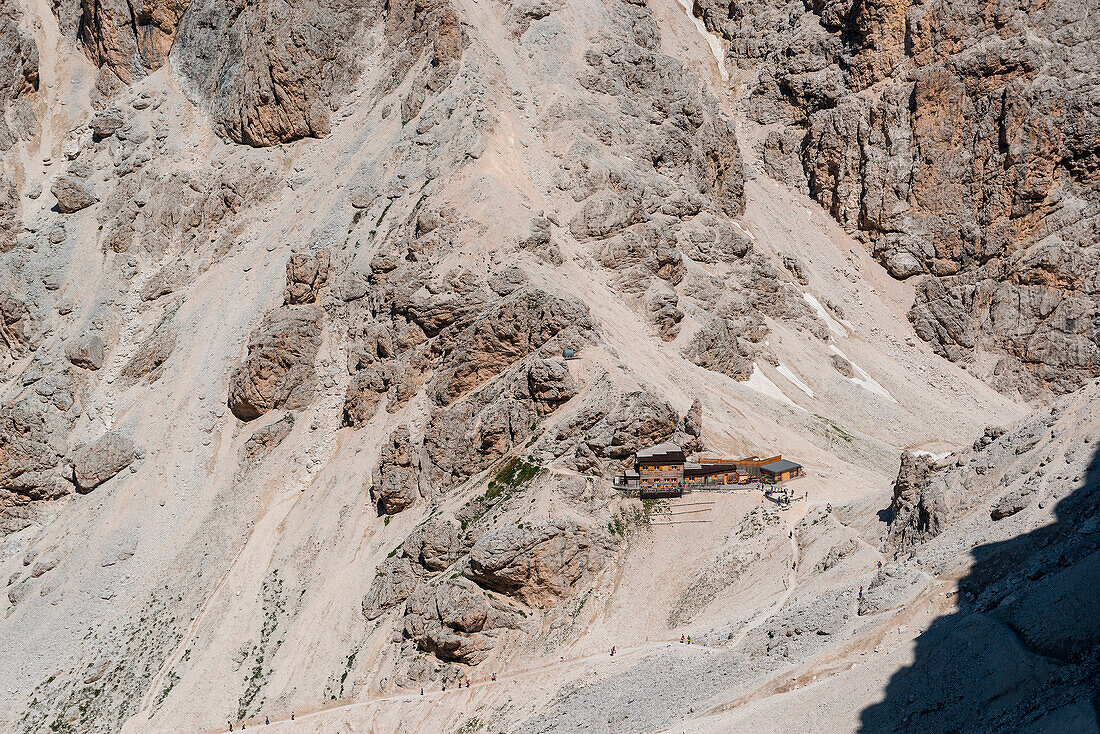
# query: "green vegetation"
513,474
833,432
633,517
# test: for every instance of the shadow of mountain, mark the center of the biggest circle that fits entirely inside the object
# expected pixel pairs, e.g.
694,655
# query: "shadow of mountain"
1022,651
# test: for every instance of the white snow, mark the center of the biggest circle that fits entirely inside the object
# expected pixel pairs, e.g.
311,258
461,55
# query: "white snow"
786,372
710,38
759,382
833,324
864,380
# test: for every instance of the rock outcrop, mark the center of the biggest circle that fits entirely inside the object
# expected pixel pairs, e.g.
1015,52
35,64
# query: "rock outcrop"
537,564
278,371
917,512
455,620
961,141
305,276
395,481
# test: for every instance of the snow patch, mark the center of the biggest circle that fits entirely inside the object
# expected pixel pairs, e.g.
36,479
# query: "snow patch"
833,324
759,382
710,38
786,372
864,380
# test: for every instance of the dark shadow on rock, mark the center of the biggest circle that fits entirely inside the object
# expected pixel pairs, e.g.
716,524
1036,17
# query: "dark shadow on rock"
1022,651
886,515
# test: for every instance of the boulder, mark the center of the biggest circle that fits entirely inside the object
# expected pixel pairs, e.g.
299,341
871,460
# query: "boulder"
278,370
106,123
86,352
265,440
102,459
72,194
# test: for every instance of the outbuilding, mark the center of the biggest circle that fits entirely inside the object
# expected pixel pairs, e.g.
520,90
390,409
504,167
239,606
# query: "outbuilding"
781,471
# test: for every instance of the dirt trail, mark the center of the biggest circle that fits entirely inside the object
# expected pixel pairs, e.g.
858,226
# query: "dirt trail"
630,652
792,580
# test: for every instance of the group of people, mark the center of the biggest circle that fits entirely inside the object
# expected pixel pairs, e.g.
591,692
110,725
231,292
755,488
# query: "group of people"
267,720
685,639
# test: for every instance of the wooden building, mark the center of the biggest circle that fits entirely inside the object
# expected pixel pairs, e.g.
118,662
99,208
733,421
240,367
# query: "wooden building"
781,470
664,471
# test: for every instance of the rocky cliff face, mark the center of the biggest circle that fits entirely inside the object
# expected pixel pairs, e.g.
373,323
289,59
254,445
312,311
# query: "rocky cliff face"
286,298
961,141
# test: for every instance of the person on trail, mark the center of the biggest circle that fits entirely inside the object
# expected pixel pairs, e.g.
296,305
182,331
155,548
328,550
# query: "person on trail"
421,691
494,676
467,682
230,726
681,639
879,566
689,639
612,651
267,721
444,687
861,592
292,713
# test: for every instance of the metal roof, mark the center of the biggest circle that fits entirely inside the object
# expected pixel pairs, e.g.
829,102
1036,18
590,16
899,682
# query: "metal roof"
778,467
659,450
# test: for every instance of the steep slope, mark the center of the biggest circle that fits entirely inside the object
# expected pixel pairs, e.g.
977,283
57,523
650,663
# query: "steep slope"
960,141
285,421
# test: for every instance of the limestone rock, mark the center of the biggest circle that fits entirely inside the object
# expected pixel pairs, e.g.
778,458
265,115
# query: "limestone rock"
662,309
265,440
278,370
151,354
86,352
395,481
102,459
394,582
130,42
72,194
550,384
434,545
1011,503
305,276
106,123
538,564
721,347
528,320
917,510
456,621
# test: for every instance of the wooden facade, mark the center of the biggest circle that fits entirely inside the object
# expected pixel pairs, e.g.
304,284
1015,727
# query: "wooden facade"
664,471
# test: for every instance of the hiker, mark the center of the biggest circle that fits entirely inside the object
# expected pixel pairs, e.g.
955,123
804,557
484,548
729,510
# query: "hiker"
467,682
689,639
267,721
444,687
829,507
879,566
681,639
861,592
494,676
612,651
421,693
230,726
292,713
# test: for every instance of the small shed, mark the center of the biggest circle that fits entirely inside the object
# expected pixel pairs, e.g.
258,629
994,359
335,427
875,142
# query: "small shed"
781,471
